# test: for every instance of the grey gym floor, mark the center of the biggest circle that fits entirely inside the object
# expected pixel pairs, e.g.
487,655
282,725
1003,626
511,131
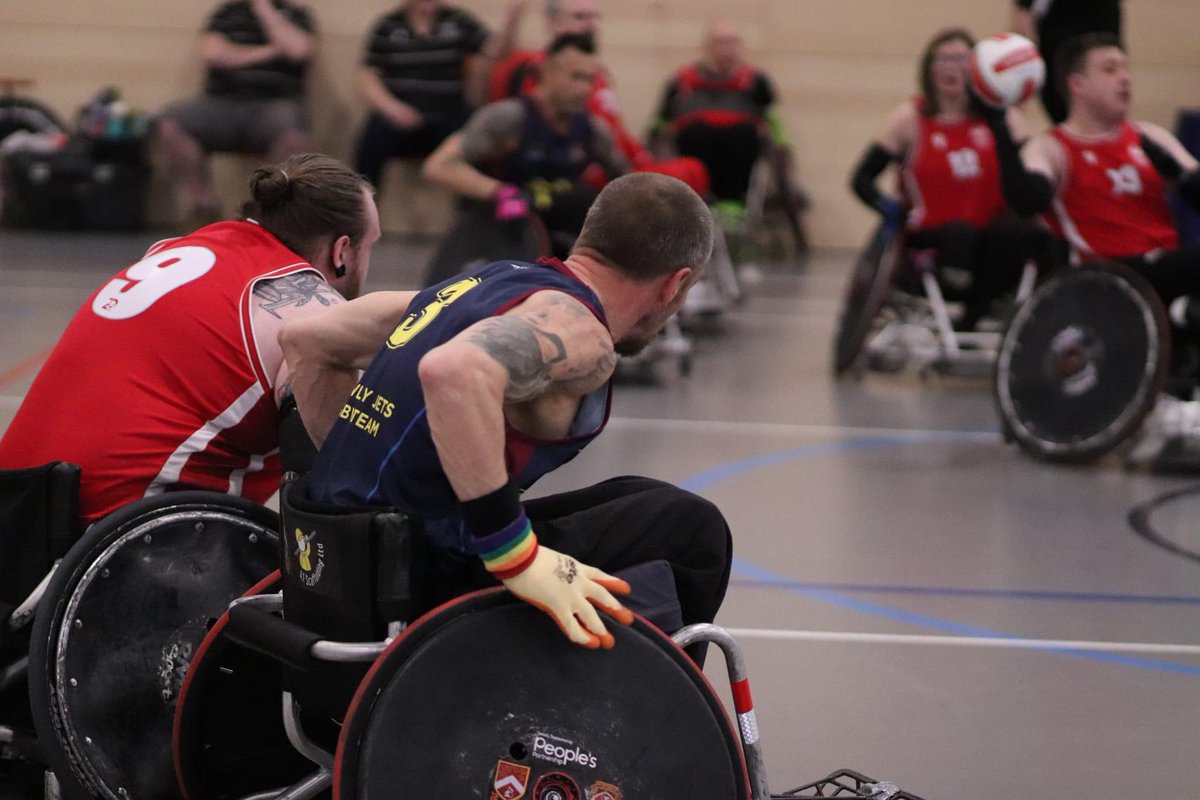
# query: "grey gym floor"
916,600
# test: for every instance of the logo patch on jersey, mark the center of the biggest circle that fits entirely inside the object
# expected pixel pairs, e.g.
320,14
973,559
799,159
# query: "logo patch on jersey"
510,782
981,137
1126,180
939,141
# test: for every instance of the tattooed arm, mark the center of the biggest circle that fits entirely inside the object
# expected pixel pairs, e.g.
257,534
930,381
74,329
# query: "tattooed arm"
322,353
493,132
541,357
273,303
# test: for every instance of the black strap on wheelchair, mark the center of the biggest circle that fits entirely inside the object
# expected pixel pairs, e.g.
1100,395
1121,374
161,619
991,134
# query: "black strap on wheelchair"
347,572
296,448
39,521
268,634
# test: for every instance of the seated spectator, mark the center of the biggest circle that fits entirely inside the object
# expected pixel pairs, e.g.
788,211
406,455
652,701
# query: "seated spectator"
949,195
426,66
719,109
257,53
533,150
517,74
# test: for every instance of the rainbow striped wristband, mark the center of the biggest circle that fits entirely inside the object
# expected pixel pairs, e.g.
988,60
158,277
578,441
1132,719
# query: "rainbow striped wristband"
511,559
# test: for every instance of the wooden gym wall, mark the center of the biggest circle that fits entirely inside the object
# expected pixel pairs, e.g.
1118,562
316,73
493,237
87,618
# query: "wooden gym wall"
838,65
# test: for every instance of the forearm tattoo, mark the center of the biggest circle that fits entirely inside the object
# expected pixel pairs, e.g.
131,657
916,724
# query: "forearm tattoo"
530,352
294,291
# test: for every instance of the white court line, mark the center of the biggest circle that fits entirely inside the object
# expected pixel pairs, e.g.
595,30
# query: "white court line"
965,641
771,428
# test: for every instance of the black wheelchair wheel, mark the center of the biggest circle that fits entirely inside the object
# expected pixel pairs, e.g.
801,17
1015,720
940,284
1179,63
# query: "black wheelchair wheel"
868,288
121,618
228,737
484,697
1082,363
478,238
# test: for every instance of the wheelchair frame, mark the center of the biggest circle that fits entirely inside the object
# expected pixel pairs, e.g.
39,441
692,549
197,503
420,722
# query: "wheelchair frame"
883,328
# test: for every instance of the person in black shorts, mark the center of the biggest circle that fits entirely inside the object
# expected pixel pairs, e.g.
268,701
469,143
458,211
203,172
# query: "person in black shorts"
426,65
256,53
500,375
1051,23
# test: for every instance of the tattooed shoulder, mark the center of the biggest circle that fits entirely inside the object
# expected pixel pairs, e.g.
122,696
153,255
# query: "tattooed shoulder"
294,291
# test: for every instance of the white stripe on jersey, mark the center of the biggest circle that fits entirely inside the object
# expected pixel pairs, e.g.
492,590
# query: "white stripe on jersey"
1080,249
198,441
238,476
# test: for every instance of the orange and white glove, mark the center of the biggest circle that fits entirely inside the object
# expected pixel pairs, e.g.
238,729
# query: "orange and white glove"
569,592
565,589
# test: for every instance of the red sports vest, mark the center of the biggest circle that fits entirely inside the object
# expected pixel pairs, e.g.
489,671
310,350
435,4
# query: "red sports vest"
1111,202
951,173
157,382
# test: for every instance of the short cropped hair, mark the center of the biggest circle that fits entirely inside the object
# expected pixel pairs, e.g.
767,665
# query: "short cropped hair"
308,199
571,41
647,225
1071,58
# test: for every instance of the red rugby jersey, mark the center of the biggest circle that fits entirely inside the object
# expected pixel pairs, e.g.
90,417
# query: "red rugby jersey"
951,173
157,382
1111,202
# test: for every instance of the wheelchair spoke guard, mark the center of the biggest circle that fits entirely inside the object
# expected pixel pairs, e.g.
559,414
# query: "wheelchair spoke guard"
1082,363
121,618
486,698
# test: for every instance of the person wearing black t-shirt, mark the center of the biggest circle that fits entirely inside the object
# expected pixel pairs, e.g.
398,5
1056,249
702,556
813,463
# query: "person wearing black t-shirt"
256,53
1052,22
425,67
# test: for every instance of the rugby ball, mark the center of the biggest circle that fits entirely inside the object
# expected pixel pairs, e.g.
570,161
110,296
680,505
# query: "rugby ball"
1006,70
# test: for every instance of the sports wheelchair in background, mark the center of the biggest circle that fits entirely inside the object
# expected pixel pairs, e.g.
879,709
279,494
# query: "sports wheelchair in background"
896,315
1085,369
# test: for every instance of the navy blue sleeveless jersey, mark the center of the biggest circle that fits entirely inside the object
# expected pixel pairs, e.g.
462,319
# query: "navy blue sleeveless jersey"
380,451
548,154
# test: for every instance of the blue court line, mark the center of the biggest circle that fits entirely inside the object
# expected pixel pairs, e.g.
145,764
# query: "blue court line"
703,480
953,591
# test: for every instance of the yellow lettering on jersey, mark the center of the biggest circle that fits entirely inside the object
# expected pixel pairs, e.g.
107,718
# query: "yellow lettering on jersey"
417,321
361,392
383,406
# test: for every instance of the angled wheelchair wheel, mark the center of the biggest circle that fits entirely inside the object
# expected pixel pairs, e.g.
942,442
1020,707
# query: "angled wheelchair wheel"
484,697
867,291
121,618
1082,363
228,736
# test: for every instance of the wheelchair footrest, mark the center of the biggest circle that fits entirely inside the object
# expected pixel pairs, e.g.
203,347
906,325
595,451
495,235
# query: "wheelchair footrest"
850,784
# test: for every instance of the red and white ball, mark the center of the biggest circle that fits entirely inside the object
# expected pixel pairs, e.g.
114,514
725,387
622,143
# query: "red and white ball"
1006,70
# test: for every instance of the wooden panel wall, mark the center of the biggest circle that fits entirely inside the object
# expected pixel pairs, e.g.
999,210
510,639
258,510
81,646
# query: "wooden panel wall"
838,64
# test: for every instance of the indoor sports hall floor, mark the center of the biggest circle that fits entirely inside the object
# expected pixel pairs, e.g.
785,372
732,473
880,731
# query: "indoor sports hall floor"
917,601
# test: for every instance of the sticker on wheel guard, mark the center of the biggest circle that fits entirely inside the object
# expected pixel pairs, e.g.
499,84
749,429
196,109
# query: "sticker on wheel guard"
510,782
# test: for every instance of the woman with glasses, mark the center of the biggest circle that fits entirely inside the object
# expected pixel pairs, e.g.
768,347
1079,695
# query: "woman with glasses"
948,197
